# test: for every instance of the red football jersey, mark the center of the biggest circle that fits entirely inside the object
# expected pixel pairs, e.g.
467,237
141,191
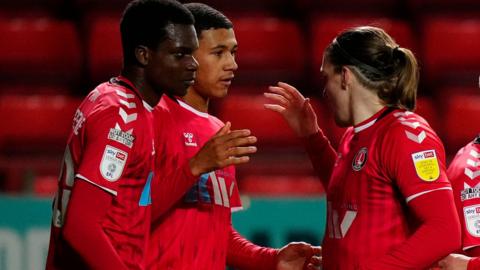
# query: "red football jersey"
464,173
382,164
194,233
111,147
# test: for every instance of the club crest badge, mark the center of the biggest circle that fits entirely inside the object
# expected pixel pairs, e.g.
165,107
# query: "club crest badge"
360,159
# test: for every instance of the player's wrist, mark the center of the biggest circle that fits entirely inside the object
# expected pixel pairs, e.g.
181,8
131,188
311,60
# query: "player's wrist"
195,169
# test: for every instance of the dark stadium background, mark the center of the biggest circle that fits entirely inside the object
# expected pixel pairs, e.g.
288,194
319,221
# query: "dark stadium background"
52,52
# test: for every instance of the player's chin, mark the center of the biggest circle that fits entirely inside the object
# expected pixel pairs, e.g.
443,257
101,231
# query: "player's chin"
220,92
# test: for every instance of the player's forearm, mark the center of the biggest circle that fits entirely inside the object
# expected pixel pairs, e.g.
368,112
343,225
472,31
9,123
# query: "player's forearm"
322,155
244,255
169,188
438,235
82,228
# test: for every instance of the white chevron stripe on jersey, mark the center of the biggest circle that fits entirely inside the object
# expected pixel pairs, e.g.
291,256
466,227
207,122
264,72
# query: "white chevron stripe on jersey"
413,125
347,221
473,163
398,114
474,154
117,126
417,138
130,105
125,95
465,185
472,174
127,118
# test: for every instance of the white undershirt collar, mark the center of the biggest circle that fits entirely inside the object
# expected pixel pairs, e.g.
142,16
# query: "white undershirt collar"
193,110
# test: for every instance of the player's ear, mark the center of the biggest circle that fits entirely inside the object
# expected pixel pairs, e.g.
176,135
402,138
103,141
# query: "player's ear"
142,54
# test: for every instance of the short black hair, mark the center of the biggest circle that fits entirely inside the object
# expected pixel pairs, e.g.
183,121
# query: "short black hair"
207,18
144,22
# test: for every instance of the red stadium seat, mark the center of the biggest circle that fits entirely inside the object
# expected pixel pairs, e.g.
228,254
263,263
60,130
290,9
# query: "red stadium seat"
270,49
443,6
104,48
325,29
274,185
39,48
247,111
350,6
461,117
451,49
39,121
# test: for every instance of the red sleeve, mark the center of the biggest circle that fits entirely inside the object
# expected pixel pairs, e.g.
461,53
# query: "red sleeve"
474,264
414,158
322,155
436,237
104,159
243,254
83,231
463,175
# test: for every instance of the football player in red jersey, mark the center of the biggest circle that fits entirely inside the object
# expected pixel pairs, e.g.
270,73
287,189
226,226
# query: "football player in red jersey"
192,227
464,173
101,213
388,196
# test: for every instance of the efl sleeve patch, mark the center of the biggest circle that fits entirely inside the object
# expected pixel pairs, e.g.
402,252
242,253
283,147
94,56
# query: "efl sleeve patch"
426,165
113,162
472,219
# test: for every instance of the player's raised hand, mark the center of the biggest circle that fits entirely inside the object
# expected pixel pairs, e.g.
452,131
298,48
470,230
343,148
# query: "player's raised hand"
454,262
294,107
224,149
298,256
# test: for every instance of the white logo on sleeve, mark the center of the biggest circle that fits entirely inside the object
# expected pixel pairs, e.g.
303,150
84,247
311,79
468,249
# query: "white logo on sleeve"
472,219
113,162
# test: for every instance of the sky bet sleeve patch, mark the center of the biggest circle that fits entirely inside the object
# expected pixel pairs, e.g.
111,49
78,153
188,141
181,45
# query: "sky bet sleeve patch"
426,165
472,219
113,162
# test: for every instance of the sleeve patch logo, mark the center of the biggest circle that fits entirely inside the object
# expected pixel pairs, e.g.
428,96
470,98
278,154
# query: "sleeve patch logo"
122,137
113,162
472,219
426,165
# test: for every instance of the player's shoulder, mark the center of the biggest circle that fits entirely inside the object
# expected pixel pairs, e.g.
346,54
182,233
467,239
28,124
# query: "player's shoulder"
109,96
216,121
404,125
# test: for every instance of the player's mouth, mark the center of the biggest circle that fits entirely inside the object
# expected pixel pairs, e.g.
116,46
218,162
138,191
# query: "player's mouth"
189,81
227,81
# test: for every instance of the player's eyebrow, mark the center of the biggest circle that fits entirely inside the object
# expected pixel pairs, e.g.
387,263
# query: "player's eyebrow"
222,46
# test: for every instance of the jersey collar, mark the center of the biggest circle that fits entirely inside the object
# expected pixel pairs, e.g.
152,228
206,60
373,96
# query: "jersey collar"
372,120
191,109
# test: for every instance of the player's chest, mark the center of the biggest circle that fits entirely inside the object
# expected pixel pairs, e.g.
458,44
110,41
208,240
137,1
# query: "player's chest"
357,175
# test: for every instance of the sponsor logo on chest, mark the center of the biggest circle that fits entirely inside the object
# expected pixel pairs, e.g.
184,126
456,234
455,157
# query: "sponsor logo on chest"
360,159
190,139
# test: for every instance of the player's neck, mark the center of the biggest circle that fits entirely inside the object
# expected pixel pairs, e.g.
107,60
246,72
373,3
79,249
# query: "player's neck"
364,104
148,94
195,100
